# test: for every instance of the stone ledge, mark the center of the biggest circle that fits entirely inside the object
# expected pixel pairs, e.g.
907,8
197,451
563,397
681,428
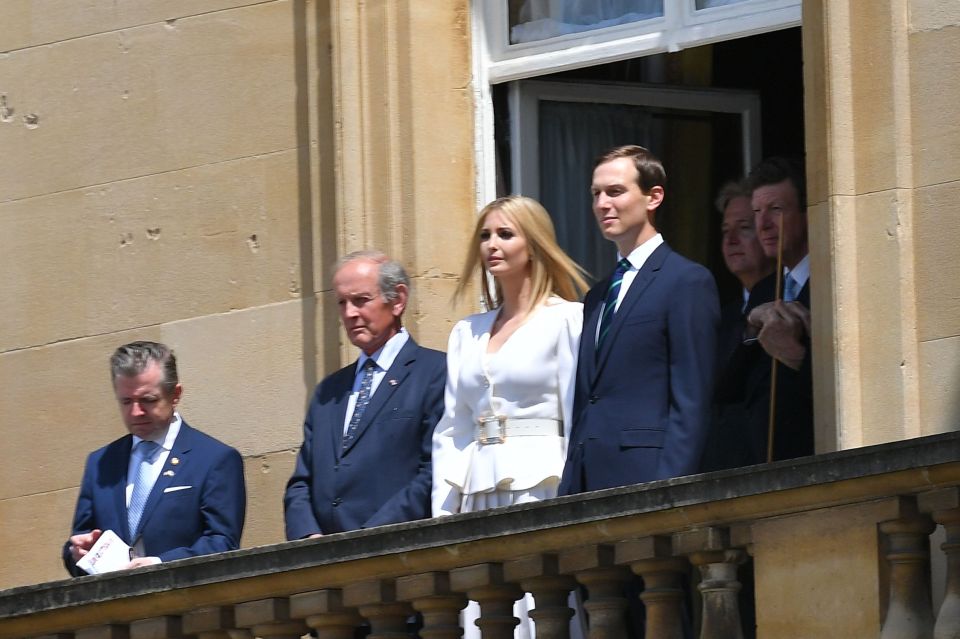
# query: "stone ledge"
870,473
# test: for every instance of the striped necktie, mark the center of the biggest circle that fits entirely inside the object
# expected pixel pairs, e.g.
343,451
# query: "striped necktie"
142,486
610,305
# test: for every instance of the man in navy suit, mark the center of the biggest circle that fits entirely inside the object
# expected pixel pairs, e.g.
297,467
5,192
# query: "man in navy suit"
365,458
166,489
782,327
645,372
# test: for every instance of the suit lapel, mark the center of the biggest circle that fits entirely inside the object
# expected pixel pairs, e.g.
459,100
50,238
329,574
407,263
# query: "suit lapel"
592,308
391,381
647,273
119,489
176,462
338,410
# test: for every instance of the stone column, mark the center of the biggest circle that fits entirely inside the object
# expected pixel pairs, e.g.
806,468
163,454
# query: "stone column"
431,595
269,619
324,612
485,584
212,623
377,602
606,605
909,610
540,576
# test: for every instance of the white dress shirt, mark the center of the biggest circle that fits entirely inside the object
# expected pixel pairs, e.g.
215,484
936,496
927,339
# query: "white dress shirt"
384,358
637,258
166,445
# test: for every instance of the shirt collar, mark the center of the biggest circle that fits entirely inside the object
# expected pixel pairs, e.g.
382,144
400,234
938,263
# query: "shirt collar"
639,255
167,439
385,355
801,272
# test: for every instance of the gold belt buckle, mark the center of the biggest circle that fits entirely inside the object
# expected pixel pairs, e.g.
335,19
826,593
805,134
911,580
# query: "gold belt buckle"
499,435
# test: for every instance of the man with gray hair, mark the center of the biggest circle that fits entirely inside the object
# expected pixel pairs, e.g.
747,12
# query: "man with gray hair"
367,436
166,489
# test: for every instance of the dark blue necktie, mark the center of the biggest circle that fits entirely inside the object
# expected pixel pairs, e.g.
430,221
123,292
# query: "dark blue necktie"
610,305
363,398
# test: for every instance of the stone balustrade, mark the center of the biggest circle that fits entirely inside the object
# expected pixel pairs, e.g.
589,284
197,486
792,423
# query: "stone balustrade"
838,545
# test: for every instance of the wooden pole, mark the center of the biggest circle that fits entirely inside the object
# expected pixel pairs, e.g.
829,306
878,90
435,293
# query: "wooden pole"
778,294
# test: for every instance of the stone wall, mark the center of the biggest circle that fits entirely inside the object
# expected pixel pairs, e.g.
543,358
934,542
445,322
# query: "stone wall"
187,171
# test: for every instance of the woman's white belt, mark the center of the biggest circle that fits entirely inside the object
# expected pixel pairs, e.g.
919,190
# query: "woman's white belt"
496,428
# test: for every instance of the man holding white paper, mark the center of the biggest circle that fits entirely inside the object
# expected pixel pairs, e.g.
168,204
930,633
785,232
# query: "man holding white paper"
166,490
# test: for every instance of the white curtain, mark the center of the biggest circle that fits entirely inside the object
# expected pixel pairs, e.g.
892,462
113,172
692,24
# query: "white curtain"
541,19
572,135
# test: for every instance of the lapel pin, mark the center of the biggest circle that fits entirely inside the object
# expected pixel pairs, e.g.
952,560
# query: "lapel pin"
392,382
174,461
168,473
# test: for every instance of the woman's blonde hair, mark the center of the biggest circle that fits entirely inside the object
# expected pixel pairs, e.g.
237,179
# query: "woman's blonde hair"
552,271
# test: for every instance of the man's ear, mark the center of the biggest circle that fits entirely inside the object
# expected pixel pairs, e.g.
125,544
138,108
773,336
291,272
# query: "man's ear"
399,304
656,198
175,395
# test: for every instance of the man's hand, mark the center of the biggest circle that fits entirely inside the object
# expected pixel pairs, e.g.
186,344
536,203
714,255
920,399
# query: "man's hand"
142,561
782,329
81,544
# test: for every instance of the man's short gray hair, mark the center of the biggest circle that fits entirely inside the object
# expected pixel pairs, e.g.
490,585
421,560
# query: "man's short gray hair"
731,191
390,276
132,359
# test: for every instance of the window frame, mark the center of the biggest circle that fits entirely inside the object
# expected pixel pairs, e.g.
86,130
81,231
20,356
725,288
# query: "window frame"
681,26
525,96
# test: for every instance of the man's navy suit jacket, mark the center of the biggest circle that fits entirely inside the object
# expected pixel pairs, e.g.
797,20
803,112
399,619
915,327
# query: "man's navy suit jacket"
642,405
748,381
196,507
384,475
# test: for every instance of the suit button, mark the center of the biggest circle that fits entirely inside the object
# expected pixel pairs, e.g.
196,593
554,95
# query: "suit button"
593,399
336,502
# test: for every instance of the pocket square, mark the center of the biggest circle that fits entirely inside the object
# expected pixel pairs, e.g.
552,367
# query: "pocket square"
173,489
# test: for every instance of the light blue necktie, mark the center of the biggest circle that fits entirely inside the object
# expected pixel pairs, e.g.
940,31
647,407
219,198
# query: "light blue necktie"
610,305
363,398
791,288
142,486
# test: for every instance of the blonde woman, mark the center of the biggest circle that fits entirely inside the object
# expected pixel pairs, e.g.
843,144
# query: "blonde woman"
510,371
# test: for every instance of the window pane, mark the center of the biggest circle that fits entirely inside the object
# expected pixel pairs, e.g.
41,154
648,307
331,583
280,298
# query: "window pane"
532,20
707,4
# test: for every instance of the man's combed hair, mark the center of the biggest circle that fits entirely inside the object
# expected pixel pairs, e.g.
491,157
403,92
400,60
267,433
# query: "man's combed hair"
389,277
775,170
650,171
132,359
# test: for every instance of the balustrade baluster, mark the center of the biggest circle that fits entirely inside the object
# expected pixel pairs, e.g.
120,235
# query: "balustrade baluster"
606,583
909,609
540,576
709,549
269,619
431,595
485,584
168,627
377,602
212,623
324,612
652,559
944,504
107,631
